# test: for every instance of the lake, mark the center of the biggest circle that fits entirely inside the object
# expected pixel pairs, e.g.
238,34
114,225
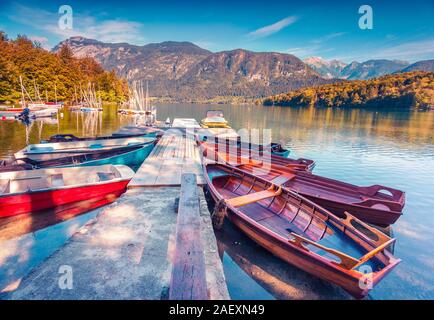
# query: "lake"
364,147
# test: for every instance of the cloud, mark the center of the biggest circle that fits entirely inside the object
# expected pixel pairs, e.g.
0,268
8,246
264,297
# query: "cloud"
107,30
328,37
273,28
409,50
307,51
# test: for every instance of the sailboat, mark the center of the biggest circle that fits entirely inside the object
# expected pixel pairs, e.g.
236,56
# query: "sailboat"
139,104
92,101
37,109
39,103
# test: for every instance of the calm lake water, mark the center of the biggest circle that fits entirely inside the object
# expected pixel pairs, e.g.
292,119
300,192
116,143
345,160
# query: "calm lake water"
364,147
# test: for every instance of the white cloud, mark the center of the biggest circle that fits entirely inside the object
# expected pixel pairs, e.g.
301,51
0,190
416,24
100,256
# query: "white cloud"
308,51
328,37
273,28
87,26
408,50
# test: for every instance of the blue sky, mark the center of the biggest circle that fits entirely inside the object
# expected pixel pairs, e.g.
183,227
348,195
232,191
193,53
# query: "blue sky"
401,29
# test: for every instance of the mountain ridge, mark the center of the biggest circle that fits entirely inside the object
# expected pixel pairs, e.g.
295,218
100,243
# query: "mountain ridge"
355,70
184,71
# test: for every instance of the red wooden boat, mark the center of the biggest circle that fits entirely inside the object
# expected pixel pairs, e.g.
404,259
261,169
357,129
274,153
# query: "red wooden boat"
300,232
226,153
36,190
376,204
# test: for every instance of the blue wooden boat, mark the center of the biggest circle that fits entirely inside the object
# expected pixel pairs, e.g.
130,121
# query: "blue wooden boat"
278,150
53,151
130,156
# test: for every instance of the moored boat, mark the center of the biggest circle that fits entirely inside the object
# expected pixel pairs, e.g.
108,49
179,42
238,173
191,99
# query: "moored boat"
49,151
225,152
376,204
71,137
300,232
214,119
35,190
274,147
130,156
139,130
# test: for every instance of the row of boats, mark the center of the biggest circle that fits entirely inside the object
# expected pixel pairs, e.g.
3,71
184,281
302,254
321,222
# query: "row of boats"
326,227
55,172
322,226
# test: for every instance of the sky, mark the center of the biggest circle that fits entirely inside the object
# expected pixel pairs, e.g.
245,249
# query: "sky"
402,30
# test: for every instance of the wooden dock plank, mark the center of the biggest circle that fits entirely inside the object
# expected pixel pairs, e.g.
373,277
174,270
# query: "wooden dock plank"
188,280
175,153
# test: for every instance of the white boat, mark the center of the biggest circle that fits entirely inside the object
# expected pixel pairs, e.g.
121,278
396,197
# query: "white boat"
34,190
50,151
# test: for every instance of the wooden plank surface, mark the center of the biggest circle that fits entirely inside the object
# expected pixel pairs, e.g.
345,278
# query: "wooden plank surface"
188,280
176,153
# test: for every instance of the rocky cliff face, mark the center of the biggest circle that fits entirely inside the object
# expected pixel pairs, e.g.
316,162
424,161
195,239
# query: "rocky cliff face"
184,71
328,69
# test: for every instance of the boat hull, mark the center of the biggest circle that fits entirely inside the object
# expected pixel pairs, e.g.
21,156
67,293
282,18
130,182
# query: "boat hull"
130,158
33,202
283,154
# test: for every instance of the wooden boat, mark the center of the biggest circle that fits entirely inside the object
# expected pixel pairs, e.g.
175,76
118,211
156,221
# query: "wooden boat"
376,204
300,232
129,156
274,147
138,131
71,137
36,190
225,153
214,119
49,151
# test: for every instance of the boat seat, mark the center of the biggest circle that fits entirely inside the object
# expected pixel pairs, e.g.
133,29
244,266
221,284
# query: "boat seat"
283,178
106,176
253,197
25,185
57,180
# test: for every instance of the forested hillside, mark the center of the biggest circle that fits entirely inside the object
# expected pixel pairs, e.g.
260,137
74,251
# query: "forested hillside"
411,89
22,57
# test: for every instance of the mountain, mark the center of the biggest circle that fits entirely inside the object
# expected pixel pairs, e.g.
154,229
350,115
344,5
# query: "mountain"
184,71
355,70
424,65
371,69
328,69
245,73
